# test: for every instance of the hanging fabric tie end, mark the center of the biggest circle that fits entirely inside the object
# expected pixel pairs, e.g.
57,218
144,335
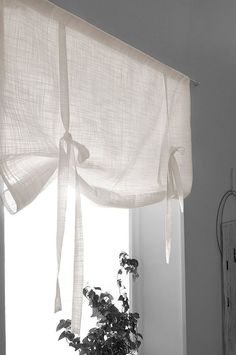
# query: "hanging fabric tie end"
174,185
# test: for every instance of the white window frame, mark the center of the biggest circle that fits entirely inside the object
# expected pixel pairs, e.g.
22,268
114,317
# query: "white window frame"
139,220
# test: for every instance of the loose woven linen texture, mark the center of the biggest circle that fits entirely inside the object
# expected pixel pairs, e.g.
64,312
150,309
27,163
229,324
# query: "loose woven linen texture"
78,103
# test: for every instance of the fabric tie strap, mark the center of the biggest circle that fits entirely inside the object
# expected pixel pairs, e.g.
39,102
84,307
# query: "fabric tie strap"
174,185
71,153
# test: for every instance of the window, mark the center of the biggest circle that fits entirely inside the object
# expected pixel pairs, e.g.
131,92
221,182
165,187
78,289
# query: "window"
31,269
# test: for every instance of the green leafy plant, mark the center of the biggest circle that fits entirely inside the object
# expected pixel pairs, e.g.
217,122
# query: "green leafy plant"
116,332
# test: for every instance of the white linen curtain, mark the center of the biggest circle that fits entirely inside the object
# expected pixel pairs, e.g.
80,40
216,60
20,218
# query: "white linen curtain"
82,105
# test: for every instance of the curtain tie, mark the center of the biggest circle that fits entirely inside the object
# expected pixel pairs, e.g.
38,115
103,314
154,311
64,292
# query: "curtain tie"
81,151
174,185
71,154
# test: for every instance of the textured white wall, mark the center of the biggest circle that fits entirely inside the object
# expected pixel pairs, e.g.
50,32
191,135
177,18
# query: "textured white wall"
159,293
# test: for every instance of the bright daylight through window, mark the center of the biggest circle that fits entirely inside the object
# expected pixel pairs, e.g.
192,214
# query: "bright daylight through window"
31,269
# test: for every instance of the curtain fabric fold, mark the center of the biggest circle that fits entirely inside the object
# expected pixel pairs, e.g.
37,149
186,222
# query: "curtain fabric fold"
82,105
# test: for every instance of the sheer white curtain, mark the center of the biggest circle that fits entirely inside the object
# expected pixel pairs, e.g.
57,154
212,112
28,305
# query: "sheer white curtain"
80,104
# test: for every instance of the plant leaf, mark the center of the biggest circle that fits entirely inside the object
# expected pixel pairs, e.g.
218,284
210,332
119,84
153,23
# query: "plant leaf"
60,325
63,335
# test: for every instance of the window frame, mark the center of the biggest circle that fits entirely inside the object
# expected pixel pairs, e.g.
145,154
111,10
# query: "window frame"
140,218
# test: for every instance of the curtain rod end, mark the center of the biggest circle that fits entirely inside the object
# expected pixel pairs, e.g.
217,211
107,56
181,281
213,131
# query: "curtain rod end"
195,82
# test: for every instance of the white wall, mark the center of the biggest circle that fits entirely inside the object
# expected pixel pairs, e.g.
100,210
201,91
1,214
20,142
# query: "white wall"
159,293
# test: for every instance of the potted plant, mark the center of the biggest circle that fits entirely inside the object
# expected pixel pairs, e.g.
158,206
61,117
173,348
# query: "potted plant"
116,332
